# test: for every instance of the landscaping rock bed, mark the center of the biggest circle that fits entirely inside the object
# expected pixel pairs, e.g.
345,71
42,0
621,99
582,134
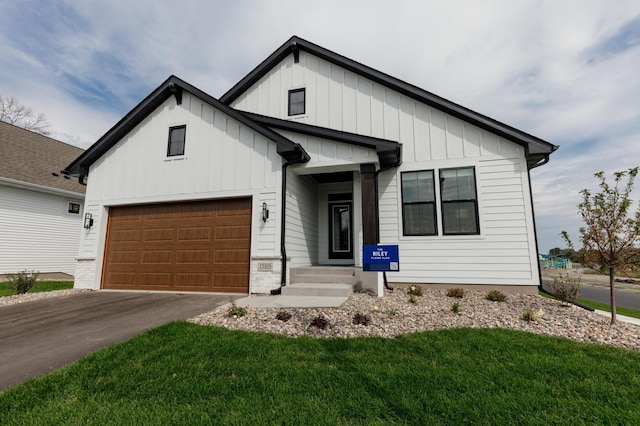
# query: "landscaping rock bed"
394,314
28,297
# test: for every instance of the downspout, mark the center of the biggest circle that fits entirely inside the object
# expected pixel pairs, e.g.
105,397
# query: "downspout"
535,236
535,230
283,222
375,182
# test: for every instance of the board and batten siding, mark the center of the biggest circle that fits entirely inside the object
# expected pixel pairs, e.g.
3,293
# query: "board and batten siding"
301,238
503,253
340,99
223,158
36,231
327,155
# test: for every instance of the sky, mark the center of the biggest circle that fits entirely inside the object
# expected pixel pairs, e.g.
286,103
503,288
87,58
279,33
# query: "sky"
565,71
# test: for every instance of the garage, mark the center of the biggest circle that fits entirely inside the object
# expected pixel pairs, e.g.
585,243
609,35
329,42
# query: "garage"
194,246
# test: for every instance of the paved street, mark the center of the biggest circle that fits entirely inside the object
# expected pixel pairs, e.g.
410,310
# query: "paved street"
624,298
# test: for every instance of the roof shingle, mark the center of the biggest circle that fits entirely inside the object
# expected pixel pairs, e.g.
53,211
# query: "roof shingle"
30,157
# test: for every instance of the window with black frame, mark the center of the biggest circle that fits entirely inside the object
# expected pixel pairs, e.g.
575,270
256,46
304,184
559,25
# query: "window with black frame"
296,102
176,141
418,203
459,201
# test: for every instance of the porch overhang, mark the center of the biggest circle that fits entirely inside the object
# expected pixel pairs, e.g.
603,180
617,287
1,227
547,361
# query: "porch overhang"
389,152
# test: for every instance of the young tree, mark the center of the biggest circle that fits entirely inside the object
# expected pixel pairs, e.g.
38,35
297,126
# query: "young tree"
611,229
12,112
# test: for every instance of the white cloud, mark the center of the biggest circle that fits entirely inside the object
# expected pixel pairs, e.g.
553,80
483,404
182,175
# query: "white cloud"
563,71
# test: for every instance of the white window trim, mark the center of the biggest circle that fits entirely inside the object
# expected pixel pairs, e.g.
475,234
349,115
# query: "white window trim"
66,208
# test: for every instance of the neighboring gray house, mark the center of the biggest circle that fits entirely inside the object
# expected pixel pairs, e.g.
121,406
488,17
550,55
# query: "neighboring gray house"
306,159
40,208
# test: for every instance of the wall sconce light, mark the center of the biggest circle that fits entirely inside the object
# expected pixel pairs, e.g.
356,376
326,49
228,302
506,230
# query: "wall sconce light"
88,220
265,212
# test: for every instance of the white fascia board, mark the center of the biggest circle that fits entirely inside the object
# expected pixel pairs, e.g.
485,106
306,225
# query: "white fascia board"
40,188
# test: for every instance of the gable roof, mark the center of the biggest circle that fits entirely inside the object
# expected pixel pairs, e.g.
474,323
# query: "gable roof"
174,86
389,152
32,158
537,150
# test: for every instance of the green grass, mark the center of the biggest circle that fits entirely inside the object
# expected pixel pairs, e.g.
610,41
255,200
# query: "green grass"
634,313
606,307
187,374
37,287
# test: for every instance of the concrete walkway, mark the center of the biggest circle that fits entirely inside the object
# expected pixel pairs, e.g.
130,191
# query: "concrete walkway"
623,318
291,301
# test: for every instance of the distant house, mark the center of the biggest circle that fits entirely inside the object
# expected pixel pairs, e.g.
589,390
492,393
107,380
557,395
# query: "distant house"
309,157
40,209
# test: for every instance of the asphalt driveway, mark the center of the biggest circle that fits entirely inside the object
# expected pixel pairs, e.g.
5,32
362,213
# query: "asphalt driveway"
40,336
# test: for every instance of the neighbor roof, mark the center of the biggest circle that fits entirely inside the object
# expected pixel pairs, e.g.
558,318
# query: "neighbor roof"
174,86
33,158
537,150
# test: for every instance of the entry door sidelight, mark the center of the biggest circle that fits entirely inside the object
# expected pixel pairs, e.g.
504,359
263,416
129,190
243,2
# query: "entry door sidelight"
340,230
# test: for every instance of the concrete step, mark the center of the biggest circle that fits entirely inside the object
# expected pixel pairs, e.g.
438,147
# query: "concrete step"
318,289
323,274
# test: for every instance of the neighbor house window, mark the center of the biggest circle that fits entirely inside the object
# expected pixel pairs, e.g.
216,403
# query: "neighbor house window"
418,203
176,141
73,208
296,102
459,201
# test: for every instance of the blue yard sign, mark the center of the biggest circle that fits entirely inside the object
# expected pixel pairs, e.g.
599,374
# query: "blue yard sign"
381,257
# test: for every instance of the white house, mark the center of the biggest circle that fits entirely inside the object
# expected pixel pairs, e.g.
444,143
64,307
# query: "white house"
40,208
305,160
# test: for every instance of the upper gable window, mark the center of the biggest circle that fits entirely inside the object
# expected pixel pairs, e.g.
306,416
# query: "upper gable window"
296,101
176,141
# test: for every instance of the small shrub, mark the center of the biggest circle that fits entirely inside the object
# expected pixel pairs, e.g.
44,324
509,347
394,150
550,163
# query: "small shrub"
319,322
413,299
455,308
363,319
21,282
456,292
415,290
529,316
496,296
283,316
565,289
391,312
236,311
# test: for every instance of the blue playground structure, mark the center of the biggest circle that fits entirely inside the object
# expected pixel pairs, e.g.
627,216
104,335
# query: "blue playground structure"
548,261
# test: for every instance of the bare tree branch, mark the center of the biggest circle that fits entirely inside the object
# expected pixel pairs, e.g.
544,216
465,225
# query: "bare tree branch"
12,112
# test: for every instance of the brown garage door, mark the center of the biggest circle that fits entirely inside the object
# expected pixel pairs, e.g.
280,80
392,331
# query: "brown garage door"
196,246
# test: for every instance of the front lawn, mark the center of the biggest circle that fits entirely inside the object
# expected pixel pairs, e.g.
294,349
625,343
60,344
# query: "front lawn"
37,287
183,373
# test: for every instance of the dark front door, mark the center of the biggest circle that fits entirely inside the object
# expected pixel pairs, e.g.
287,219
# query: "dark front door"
340,227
